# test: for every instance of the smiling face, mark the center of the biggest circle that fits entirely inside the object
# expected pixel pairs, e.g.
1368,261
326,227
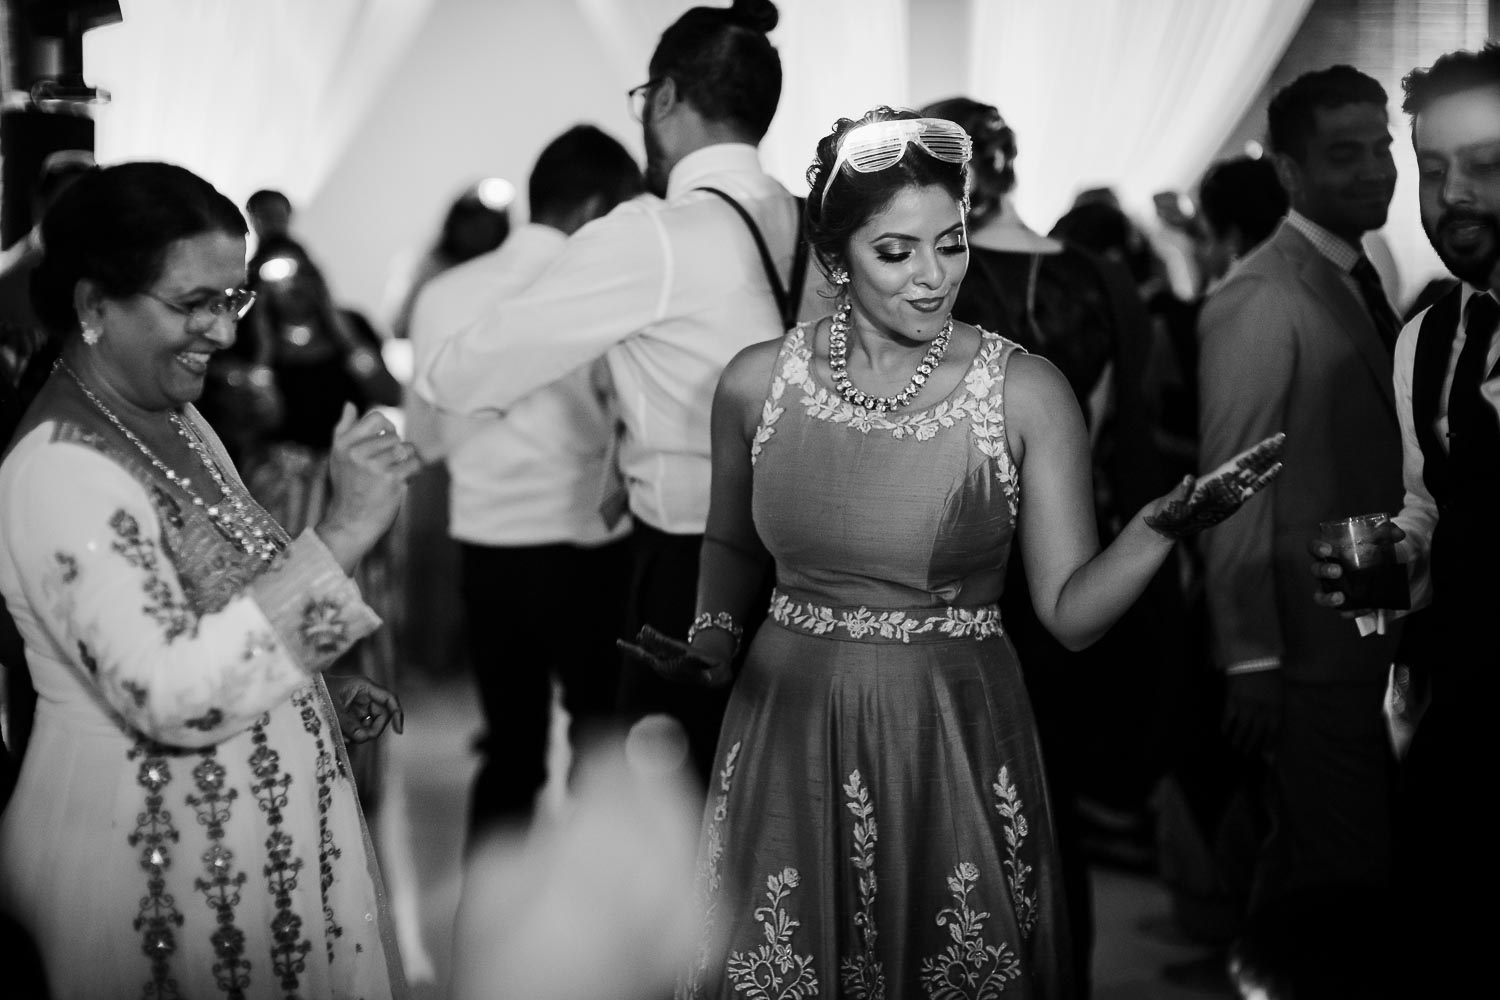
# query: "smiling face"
906,263
1457,140
1346,176
153,355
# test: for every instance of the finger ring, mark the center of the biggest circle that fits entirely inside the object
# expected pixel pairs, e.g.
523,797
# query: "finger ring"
381,433
367,719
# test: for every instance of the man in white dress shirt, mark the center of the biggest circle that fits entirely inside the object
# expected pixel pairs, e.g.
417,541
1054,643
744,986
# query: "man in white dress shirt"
544,572
1450,442
666,291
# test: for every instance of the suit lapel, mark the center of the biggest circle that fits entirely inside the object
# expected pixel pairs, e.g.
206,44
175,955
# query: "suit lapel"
1351,318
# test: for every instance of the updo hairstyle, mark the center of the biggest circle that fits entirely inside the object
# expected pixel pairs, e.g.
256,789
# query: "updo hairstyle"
838,206
723,64
994,143
113,226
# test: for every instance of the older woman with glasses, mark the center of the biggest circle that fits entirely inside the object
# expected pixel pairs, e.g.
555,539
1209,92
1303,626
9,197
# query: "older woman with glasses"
879,824
184,822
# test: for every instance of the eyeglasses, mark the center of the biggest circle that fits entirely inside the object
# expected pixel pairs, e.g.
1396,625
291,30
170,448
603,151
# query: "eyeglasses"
638,96
232,302
878,145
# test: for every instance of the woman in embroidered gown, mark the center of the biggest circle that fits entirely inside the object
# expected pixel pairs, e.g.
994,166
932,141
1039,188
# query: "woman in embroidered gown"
184,823
878,825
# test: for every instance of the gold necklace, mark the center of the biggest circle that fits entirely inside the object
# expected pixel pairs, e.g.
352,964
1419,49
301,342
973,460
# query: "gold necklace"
232,515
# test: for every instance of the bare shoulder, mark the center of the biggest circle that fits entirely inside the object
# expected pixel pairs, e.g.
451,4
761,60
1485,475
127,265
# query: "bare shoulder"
1039,403
1034,387
748,374
966,341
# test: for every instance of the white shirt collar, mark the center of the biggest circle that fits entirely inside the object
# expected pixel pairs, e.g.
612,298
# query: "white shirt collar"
709,162
1467,295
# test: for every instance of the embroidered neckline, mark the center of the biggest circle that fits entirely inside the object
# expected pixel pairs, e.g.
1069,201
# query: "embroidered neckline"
978,400
801,347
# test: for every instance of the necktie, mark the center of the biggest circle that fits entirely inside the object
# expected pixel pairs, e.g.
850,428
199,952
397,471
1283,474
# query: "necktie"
1468,415
1386,322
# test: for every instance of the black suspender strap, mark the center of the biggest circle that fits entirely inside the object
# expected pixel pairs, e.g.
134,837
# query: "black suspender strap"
787,299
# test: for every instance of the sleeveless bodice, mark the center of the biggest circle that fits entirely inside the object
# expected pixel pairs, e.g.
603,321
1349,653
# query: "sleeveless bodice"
904,510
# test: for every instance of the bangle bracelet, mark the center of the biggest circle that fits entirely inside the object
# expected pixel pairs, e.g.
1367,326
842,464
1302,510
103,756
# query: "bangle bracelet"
721,621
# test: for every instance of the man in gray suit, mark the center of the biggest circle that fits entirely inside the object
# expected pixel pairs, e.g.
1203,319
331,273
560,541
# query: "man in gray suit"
1298,338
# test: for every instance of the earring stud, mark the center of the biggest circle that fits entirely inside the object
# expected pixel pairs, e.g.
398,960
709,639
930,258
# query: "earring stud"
91,335
839,276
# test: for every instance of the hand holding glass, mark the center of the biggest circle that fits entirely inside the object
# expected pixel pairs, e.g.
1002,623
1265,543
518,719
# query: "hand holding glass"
1363,550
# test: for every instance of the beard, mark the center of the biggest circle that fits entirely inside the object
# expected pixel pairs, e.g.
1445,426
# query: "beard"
1475,262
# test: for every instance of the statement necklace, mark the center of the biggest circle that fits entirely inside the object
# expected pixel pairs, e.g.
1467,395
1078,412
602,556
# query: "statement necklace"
232,515
838,365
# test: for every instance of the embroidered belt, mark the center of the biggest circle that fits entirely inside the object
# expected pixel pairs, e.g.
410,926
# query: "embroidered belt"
888,625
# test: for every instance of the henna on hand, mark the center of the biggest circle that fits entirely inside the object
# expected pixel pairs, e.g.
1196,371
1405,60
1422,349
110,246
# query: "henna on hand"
1219,494
671,658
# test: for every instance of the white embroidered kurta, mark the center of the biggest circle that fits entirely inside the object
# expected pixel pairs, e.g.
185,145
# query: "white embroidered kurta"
184,824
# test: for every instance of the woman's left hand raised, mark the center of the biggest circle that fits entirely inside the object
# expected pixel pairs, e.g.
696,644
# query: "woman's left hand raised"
1200,503
364,708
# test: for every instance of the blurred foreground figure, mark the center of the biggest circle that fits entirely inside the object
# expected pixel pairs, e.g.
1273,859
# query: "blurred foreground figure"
597,901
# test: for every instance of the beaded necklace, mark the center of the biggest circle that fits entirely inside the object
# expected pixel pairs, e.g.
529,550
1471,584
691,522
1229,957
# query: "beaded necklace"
838,365
233,515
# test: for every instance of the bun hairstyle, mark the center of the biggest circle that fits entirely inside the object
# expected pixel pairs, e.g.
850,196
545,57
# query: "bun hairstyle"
723,64
837,206
993,167
113,225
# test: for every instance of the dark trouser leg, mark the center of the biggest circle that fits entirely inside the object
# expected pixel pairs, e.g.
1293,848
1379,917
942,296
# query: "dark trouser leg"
590,670
1445,839
513,598
664,585
1332,784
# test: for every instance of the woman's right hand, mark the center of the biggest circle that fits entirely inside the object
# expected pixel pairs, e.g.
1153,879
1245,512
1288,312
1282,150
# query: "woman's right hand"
675,660
368,466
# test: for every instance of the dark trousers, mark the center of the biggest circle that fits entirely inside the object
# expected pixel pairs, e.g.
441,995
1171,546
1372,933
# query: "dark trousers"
1445,870
534,613
1332,785
664,595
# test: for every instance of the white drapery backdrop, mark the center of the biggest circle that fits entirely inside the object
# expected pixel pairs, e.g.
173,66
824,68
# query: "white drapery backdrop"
839,58
247,93
1137,95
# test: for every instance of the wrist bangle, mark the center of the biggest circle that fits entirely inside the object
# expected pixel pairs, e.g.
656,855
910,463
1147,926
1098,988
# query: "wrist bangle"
721,621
